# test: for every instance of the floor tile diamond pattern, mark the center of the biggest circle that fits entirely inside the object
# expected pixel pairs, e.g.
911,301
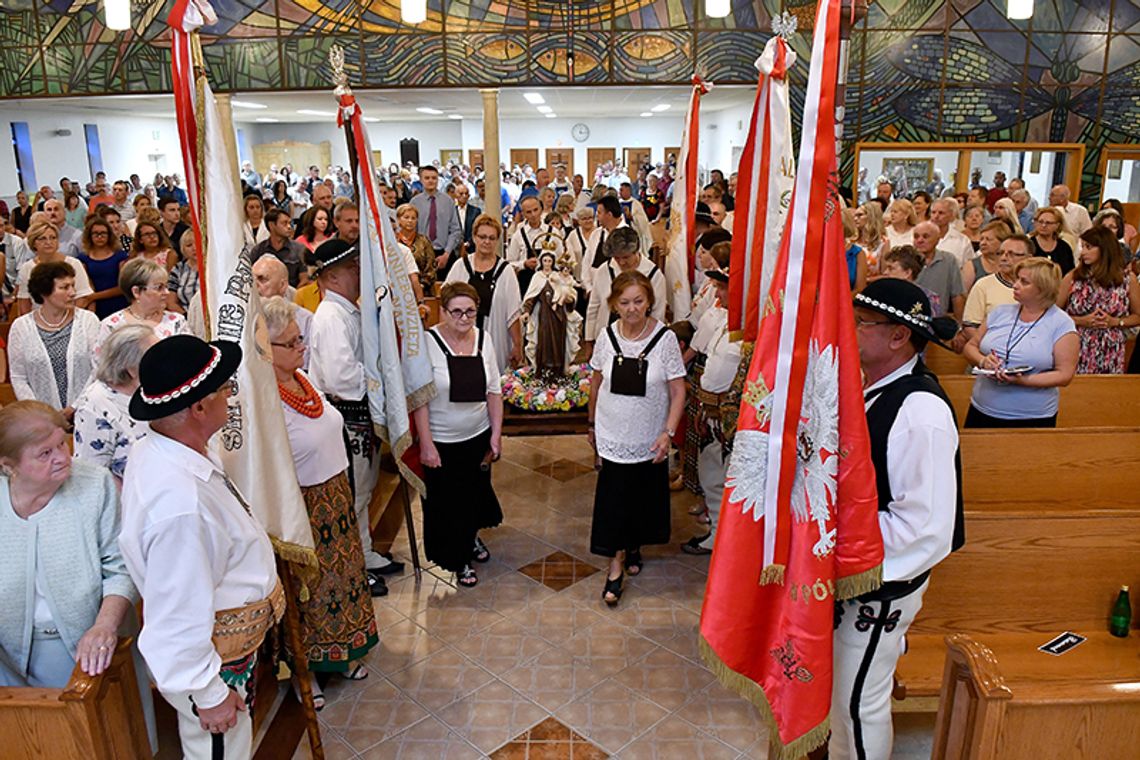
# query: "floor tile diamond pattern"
558,570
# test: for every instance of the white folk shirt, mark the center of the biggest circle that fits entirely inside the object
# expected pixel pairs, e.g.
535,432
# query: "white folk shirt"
723,354
192,549
918,529
517,249
336,355
598,311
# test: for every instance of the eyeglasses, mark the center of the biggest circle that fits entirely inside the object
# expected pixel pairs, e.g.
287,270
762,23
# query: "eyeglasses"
99,233
151,234
487,238
1013,255
458,314
297,342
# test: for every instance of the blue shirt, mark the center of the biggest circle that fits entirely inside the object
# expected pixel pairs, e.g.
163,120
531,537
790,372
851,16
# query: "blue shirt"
1029,345
1025,219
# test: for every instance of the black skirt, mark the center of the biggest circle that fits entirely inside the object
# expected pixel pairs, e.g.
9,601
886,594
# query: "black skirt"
631,507
976,418
460,501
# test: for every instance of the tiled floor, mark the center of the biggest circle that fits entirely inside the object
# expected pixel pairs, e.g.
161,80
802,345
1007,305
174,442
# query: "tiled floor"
532,664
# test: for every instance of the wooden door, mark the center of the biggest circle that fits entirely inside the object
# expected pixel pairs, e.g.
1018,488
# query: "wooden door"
674,152
522,156
300,154
475,158
596,157
555,156
635,158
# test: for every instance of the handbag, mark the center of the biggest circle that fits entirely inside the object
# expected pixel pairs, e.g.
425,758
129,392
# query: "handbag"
628,373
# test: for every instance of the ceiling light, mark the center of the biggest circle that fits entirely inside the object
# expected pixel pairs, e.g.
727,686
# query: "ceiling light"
534,98
247,104
646,114
660,107
717,8
456,116
117,14
311,112
266,120
371,119
545,109
1019,9
413,11
551,115
431,111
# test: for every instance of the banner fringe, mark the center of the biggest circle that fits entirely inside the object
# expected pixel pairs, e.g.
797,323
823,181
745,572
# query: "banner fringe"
752,691
421,396
772,574
398,448
299,555
859,584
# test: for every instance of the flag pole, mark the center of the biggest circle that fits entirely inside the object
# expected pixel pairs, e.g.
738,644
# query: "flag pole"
300,661
853,11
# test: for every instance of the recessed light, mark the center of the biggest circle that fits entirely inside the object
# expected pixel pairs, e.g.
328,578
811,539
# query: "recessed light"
551,115
247,104
545,109
456,116
311,112
534,98
660,107
266,120
431,111
646,114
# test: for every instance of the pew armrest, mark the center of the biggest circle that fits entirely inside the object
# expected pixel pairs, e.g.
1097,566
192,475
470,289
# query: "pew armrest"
85,687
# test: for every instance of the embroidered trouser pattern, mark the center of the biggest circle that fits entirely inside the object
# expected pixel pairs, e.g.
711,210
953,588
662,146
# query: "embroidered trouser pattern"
869,639
237,743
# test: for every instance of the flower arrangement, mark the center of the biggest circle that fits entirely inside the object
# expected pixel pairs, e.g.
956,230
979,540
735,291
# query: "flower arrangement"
526,389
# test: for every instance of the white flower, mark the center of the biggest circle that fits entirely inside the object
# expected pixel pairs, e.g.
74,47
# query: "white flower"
747,472
560,396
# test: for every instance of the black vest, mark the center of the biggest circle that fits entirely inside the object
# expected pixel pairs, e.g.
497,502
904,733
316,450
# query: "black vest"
881,418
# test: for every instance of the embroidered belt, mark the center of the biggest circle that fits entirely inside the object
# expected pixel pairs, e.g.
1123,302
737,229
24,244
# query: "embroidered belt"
710,401
357,417
239,631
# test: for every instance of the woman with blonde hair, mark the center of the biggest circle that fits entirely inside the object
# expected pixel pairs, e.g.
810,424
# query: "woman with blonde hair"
901,220
1026,350
145,284
1005,211
872,233
1103,298
407,232
43,241
1048,226
856,256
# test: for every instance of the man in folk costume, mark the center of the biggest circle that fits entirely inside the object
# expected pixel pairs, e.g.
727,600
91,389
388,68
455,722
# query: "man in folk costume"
623,253
722,363
201,560
914,448
336,367
635,216
609,218
681,287
530,239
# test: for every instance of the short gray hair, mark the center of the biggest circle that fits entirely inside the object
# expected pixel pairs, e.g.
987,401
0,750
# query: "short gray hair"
278,314
951,205
1019,193
585,212
120,354
137,273
622,242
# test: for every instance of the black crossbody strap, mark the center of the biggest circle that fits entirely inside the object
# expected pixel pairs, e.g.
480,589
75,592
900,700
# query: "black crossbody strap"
653,342
442,345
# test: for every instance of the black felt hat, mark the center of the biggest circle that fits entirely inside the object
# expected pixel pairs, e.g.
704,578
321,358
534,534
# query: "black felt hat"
720,275
179,371
332,252
905,303
703,213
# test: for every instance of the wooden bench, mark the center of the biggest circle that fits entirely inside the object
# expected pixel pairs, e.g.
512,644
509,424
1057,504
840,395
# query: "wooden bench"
1052,531
93,718
946,363
1089,401
7,395
1008,701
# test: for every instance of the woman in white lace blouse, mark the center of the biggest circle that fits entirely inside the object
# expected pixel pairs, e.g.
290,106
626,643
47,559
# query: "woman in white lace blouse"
104,429
637,397
50,349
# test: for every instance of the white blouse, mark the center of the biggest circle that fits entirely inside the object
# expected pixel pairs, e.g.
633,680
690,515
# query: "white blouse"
171,323
626,427
82,283
30,367
317,443
453,422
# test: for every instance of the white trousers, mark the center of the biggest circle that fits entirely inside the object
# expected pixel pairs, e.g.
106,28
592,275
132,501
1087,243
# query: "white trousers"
869,640
365,473
711,468
237,743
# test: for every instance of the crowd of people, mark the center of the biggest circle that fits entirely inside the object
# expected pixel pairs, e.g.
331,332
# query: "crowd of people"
107,358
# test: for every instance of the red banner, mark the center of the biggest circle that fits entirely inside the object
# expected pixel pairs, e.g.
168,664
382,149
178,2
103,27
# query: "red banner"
799,525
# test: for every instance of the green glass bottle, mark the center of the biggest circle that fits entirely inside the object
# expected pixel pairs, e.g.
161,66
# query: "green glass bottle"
1121,619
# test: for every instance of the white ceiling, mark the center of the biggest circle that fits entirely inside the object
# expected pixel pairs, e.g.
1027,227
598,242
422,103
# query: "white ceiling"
401,105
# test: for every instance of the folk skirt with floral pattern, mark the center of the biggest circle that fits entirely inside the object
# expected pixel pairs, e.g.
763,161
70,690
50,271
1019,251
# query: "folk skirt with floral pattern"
337,622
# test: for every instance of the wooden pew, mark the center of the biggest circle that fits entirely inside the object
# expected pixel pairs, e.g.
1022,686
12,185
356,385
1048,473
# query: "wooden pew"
7,395
1089,401
1012,702
93,718
1052,532
944,362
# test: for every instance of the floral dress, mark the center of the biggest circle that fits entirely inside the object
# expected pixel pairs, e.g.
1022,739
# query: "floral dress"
1102,348
104,428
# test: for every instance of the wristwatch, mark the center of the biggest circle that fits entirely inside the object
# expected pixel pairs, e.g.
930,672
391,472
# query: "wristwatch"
670,433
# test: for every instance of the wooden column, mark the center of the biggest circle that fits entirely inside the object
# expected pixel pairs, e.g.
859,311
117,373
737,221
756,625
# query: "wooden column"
492,178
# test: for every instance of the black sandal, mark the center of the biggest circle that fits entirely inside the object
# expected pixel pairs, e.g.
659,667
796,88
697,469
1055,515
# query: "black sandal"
482,553
612,588
633,561
467,577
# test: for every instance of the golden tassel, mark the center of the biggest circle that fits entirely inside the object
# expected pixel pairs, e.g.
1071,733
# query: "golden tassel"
772,574
865,582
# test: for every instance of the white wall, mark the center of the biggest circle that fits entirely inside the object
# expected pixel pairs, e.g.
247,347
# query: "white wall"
126,144
721,132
